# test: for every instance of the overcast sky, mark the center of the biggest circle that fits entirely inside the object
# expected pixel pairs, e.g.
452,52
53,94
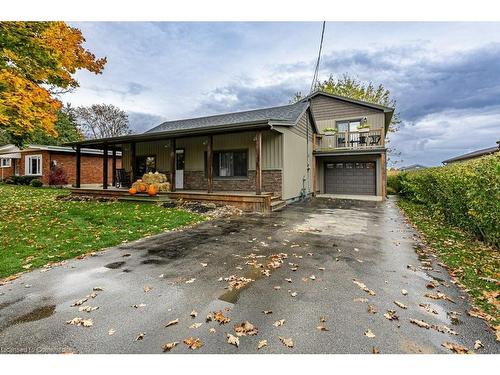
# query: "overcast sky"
445,76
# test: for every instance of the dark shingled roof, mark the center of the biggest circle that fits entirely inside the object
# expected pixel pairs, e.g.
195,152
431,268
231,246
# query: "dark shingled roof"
474,154
283,115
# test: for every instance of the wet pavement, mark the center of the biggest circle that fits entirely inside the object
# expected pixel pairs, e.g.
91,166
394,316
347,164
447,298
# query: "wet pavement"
327,243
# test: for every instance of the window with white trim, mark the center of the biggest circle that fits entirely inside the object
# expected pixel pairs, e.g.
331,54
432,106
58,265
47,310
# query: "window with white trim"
33,165
5,163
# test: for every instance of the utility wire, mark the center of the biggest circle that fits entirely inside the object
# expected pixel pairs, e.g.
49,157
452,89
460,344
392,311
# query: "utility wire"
316,70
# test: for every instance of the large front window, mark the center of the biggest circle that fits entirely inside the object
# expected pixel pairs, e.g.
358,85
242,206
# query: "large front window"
230,163
33,165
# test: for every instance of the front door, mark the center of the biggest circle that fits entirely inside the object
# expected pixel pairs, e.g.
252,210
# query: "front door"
179,169
145,164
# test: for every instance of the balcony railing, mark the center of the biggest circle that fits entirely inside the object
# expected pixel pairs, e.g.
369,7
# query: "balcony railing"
373,138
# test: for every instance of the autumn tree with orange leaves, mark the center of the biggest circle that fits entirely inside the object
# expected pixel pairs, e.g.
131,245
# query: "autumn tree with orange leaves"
37,61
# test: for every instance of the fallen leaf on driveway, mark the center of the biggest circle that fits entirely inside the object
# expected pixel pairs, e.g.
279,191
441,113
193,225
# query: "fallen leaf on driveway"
139,305
478,345
79,302
428,308
439,295
262,343
196,325
375,350
97,289
312,277
293,294
204,264
363,287
277,287
140,336
322,319
233,340
80,322
87,308
287,342
321,268
190,280
219,317
172,322
279,322
360,300
369,333
111,332
399,304
194,314
479,314
372,309
267,312
289,280
459,349
404,292
444,329
391,315
322,327
169,346
193,343
147,288
420,323
212,330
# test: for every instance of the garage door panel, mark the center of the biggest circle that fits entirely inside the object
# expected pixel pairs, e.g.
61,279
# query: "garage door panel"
350,178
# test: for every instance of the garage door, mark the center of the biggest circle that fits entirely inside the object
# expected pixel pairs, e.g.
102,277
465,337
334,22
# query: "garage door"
350,178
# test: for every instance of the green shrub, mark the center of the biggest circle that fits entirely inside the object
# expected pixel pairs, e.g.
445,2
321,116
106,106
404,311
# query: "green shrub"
466,194
393,185
36,183
20,180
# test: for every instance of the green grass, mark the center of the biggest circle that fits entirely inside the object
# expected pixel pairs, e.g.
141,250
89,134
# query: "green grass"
36,228
475,264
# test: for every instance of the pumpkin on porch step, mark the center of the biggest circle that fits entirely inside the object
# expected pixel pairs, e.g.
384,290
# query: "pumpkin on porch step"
132,191
152,190
141,187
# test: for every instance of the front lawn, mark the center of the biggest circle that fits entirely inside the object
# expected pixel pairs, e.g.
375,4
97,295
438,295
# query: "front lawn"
36,228
475,264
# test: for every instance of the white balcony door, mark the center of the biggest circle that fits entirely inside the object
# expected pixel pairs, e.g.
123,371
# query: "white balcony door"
179,169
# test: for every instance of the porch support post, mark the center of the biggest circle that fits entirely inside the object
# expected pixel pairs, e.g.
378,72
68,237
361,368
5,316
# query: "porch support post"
210,162
132,162
78,166
258,167
113,167
105,167
172,164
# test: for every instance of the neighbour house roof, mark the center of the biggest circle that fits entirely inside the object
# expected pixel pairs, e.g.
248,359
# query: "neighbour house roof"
474,154
15,152
412,167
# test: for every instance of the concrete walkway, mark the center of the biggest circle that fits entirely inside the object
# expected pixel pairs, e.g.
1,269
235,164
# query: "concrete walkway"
327,243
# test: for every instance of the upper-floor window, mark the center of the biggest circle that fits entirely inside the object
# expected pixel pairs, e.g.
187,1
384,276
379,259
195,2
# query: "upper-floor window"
33,165
348,126
5,163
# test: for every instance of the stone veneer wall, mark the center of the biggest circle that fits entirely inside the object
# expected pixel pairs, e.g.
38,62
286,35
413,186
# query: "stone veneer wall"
271,182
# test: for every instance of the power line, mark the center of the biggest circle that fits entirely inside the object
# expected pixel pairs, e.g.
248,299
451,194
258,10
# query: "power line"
316,70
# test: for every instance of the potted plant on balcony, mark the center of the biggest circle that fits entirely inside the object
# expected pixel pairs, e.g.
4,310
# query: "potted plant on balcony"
363,128
330,131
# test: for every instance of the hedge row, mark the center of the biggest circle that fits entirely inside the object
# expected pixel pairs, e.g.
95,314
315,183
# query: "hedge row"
466,194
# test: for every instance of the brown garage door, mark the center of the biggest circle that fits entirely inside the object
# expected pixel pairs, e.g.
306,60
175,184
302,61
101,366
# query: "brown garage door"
350,178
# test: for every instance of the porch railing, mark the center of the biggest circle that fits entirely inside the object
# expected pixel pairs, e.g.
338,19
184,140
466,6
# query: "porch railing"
349,140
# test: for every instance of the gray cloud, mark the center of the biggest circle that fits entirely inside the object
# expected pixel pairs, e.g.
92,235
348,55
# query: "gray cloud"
140,122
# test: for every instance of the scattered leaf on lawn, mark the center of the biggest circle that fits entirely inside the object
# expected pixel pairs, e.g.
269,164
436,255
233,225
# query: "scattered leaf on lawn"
478,345
262,343
287,342
169,346
369,333
195,325
279,322
140,336
194,314
401,305
172,322
193,343
80,322
233,340
147,288
459,349
420,323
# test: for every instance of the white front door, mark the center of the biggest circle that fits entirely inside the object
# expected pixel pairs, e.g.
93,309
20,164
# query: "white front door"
179,169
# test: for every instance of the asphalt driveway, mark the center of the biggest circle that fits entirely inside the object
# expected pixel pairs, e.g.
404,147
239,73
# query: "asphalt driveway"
321,246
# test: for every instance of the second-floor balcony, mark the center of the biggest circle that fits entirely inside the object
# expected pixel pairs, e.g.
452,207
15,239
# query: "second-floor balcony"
359,140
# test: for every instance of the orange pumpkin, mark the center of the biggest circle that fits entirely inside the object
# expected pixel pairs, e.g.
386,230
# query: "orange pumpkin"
152,190
132,191
142,187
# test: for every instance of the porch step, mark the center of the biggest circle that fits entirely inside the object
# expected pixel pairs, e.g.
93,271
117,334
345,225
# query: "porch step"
277,205
145,199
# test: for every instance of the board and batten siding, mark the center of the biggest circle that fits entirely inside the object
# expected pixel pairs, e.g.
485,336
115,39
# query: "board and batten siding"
328,111
195,147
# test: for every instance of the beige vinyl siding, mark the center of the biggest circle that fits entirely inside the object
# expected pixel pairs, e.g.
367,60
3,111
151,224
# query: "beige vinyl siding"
272,153
327,111
301,128
296,175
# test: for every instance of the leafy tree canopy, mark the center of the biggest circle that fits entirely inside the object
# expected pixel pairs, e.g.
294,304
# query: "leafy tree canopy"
37,61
